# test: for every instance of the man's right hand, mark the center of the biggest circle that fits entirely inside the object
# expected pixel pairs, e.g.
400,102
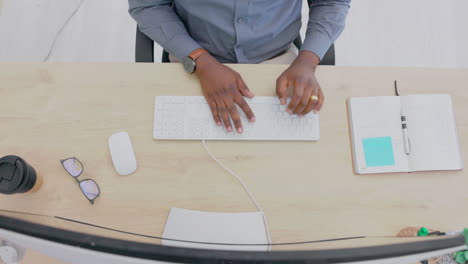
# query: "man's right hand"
224,89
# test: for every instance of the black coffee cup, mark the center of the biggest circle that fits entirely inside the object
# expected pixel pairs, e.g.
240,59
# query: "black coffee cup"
17,176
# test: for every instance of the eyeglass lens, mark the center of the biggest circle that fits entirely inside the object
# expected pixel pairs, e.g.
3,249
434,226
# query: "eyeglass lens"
73,166
90,189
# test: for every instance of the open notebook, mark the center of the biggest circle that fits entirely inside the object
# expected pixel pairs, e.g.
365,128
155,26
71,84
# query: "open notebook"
382,145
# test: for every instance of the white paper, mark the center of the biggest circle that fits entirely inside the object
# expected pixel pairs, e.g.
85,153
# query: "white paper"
432,132
231,228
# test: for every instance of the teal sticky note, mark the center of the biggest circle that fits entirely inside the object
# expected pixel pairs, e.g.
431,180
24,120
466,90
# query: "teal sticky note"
378,151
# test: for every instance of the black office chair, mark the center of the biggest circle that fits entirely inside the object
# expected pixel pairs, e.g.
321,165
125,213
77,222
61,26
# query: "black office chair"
144,49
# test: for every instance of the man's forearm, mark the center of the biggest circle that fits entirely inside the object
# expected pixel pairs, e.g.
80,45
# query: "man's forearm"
308,59
157,19
326,22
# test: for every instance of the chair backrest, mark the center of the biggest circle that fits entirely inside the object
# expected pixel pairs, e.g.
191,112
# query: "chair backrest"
144,47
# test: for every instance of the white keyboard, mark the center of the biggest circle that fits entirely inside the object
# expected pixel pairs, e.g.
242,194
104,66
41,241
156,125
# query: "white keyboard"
190,118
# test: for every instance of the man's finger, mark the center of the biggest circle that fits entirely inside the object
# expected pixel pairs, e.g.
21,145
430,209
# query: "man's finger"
246,109
224,115
235,117
298,92
282,89
315,95
308,108
320,102
245,91
308,90
214,111
312,104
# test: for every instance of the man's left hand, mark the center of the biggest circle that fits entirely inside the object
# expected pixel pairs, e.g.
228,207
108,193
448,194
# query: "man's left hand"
300,76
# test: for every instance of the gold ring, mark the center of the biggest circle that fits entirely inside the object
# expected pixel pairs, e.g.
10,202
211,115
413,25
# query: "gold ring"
314,98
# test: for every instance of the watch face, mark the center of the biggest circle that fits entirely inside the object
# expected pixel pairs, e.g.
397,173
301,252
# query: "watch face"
189,65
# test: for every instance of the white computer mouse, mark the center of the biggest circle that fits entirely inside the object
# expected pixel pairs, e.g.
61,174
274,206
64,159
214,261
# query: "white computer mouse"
123,156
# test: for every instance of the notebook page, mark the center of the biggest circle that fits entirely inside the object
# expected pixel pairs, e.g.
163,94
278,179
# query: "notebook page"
374,119
432,132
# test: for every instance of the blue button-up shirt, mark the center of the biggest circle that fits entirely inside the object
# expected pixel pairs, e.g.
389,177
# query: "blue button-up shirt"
242,31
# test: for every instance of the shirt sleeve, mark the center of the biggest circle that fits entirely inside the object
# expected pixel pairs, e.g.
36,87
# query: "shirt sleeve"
158,20
326,22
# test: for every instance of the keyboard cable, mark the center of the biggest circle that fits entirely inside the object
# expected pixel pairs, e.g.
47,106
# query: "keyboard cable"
252,198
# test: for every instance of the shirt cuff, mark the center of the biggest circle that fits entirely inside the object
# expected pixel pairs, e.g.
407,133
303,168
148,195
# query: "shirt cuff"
180,46
317,42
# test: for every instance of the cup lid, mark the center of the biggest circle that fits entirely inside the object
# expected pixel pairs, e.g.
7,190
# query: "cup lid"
11,173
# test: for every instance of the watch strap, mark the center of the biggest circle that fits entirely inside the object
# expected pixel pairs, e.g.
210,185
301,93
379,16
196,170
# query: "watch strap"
197,53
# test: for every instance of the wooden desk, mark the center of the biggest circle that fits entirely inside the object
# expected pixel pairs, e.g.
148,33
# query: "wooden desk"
308,190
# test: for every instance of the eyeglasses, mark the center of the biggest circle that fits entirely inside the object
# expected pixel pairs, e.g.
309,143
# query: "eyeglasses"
88,187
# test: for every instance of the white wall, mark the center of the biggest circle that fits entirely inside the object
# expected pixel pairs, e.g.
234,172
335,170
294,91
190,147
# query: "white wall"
428,33
101,31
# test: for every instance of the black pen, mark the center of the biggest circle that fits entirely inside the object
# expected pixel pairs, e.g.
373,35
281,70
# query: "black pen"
404,127
404,124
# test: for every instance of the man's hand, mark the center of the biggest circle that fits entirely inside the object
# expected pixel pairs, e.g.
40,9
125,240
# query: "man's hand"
300,76
224,89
